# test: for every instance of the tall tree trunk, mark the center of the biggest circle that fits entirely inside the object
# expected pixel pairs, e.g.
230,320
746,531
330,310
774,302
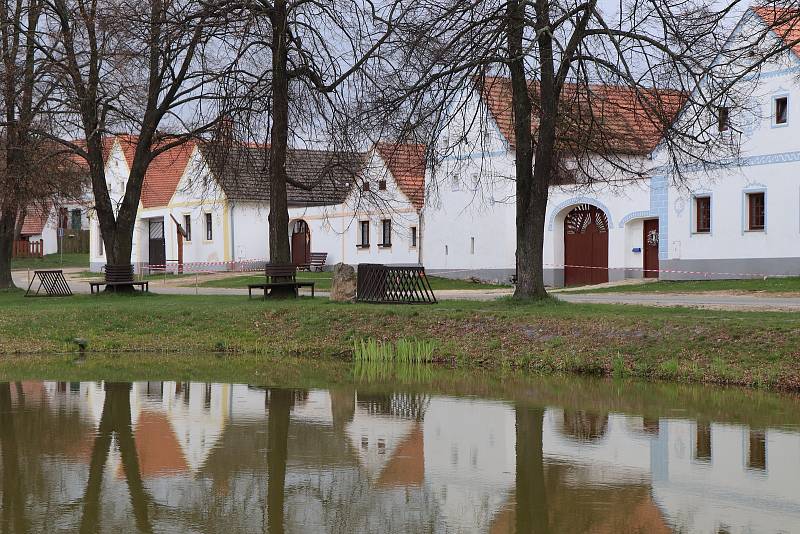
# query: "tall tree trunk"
530,195
7,228
532,511
279,136
280,401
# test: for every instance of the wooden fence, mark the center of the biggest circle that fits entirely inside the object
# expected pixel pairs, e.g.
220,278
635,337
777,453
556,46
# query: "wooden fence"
28,249
75,241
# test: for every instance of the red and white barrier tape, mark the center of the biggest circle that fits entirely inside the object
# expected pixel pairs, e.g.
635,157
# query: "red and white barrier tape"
243,266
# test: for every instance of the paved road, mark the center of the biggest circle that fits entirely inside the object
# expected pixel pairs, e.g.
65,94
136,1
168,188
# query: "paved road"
706,300
761,302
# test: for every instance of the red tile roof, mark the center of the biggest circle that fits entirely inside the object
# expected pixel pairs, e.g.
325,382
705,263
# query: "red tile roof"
407,164
785,22
612,118
164,172
35,221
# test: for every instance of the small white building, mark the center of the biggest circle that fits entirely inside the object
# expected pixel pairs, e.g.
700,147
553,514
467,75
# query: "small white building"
63,220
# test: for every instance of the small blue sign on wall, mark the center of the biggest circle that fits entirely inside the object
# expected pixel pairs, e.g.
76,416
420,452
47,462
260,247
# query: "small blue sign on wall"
637,249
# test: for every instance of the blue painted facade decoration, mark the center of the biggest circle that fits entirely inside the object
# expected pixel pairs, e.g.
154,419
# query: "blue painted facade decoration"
659,198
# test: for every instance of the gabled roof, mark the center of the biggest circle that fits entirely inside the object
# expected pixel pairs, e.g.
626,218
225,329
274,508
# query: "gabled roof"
784,22
108,146
612,117
164,172
243,173
35,221
407,164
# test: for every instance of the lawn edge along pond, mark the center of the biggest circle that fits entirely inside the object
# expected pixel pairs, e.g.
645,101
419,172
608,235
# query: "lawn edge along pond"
756,349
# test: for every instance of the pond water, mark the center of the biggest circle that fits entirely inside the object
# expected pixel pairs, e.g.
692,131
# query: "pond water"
470,454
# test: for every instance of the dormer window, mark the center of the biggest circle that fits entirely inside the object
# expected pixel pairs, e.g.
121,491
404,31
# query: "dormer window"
781,109
723,118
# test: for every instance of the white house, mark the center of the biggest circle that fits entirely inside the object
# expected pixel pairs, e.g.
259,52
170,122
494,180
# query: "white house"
737,221
357,208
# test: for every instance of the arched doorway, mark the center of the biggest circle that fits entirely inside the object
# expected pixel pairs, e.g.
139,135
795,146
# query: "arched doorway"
301,243
585,246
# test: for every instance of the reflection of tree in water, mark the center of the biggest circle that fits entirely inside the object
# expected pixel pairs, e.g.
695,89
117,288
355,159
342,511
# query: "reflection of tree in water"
548,499
584,426
405,405
280,402
115,421
531,510
13,512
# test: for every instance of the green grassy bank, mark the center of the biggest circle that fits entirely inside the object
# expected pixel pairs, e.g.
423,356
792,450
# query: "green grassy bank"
752,349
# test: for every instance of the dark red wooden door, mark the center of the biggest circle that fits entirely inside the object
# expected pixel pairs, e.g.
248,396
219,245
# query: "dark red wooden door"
651,248
301,243
585,246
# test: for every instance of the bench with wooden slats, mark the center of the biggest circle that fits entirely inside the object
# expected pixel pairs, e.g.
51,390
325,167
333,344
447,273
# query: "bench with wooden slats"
286,276
117,276
316,263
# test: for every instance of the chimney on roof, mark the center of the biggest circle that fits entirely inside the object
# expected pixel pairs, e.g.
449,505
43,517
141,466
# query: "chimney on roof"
225,130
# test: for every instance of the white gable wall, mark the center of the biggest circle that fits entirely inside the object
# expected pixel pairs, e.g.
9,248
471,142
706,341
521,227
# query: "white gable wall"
469,216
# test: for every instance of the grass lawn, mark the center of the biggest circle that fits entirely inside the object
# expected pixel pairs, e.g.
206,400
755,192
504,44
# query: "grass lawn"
769,285
51,261
754,349
323,282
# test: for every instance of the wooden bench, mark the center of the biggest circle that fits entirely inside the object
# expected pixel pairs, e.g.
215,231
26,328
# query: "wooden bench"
143,285
287,277
118,276
317,262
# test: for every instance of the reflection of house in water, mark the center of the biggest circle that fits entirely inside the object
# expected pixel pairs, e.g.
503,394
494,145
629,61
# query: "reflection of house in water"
366,462
703,477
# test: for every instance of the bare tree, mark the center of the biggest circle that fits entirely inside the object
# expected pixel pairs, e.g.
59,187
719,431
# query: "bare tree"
670,64
33,171
150,68
317,56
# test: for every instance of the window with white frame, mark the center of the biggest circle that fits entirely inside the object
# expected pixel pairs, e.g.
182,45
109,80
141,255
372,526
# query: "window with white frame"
455,184
363,234
413,236
187,226
702,214
386,233
780,110
756,211
209,228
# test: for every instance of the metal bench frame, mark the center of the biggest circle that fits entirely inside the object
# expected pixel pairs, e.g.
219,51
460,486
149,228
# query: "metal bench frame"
53,282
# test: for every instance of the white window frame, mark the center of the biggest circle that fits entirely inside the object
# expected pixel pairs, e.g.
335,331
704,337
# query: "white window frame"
187,217
773,111
383,243
693,213
361,224
208,217
413,236
746,210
